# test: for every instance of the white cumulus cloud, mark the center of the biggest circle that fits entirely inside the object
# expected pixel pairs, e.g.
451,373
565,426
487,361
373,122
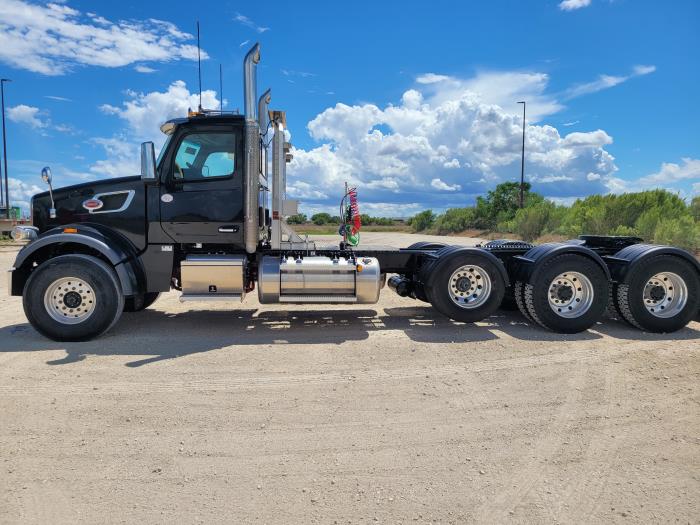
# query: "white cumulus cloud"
442,186
28,115
446,143
54,38
670,173
143,114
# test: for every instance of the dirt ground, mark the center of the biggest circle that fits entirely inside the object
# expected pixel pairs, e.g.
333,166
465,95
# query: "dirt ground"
386,413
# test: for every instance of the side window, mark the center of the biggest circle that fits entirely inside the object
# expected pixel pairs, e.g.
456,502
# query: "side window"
218,164
203,156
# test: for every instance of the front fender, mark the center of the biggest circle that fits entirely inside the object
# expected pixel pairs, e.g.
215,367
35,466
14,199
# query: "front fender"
111,248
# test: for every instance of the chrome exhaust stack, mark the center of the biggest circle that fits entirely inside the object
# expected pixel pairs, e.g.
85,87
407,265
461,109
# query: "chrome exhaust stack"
252,150
250,81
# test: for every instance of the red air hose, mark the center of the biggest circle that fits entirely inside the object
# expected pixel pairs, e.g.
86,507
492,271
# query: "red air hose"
354,211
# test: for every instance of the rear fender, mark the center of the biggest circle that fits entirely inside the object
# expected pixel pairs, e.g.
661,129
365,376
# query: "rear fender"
530,264
454,251
623,263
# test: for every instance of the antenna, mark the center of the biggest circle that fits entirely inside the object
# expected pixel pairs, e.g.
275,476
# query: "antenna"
199,68
221,91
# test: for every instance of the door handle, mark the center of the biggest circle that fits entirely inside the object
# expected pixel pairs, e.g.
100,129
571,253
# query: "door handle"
228,229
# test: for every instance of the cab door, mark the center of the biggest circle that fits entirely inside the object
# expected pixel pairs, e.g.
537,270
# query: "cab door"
201,199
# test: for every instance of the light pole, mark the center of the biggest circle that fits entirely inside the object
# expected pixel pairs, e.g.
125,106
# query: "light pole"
4,143
522,161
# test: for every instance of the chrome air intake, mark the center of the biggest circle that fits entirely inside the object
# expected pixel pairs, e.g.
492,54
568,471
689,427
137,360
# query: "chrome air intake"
319,280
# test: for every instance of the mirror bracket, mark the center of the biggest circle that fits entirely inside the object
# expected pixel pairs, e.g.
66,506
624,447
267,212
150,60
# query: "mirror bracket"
46,177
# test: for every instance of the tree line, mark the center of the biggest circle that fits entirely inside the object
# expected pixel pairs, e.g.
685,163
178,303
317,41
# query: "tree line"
657,216
326,218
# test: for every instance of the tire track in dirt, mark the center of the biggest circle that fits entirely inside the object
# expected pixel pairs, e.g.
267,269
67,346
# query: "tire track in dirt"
533,471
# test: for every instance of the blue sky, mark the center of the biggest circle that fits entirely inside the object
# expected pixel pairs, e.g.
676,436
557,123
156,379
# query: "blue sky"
415,105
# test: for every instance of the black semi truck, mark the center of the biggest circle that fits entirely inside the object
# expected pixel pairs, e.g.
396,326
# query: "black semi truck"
207,218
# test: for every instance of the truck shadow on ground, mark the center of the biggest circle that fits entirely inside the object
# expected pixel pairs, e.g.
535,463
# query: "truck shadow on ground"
162,336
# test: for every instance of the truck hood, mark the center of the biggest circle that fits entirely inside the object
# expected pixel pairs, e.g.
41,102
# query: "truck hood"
68,201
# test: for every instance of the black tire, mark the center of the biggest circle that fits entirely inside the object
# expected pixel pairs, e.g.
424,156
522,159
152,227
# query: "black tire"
101,279
629,297
140,302
509,303
537,294
437,288
519,293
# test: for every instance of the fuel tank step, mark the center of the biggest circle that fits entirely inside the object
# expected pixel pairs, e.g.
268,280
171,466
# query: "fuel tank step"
211,297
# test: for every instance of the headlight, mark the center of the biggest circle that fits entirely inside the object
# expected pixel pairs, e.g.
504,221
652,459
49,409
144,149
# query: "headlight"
24,233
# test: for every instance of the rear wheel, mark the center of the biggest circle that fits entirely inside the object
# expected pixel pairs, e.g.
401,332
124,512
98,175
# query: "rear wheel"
568,295
73,298
465,287
662,295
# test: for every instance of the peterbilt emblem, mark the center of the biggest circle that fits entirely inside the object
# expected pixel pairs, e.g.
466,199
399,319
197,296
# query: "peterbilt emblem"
93,204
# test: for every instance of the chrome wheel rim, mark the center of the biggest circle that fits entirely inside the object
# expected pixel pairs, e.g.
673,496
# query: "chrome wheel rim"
69,300
570,294
665,295
469,286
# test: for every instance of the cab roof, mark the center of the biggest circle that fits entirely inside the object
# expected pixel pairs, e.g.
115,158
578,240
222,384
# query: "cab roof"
213,117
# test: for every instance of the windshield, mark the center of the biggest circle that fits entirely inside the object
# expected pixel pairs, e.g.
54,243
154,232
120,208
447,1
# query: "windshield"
162,150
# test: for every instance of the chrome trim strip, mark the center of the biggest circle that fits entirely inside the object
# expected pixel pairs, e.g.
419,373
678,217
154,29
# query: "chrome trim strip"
124,206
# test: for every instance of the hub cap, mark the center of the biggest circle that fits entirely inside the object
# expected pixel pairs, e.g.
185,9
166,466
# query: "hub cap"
570,294
469,286
665,294
69,300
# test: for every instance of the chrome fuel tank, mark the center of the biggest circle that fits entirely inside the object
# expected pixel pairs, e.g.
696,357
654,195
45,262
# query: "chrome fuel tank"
319,279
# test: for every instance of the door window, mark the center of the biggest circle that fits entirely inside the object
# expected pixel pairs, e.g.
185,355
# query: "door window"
205,156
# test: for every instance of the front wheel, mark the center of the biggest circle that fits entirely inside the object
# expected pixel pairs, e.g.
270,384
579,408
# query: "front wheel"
73,298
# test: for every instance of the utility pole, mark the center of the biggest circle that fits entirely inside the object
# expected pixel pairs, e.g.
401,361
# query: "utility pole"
522,162
4,143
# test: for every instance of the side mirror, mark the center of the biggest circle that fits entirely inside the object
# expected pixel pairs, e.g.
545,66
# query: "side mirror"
46,177
148,161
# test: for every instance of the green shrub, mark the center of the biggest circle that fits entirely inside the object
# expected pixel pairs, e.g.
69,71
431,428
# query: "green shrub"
299,218
455,220
531,222
321,218
422,221
695,208
683,232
